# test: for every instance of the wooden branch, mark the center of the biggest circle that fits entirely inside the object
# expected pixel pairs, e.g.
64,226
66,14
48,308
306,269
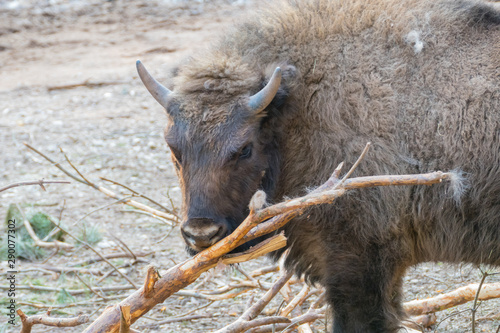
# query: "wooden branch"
253,226
40,183
291,208
28,322
173,280
459,296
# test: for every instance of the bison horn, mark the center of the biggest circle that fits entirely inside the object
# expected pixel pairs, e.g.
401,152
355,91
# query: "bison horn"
155,88
261,100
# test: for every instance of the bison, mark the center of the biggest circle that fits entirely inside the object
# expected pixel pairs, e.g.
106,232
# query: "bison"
281,99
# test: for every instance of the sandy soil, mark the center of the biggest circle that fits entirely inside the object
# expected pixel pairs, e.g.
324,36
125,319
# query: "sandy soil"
67,79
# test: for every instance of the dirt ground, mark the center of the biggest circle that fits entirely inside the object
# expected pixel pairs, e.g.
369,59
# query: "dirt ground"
67,79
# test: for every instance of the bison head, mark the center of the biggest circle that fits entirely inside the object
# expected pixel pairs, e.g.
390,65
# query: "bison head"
223,153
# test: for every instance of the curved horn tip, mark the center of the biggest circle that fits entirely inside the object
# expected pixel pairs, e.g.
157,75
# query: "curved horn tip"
261,100
276,75
156,89
138,64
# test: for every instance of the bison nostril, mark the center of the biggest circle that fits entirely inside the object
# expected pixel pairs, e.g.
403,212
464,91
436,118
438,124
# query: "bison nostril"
218,234
202,233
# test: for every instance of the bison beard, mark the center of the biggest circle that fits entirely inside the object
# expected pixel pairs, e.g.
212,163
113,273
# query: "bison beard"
420,79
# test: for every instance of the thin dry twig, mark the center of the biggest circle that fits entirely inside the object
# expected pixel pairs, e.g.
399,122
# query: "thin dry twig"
122,200
40,183
177,319
212,296
110,256
356,164
476,298
99,254
185,317
246,320
124,246
138,194
90,288
57,165
110,272
491,316
91,301
69,291
161,219
246,284
28,322
308,317
66,270
109,193
74,168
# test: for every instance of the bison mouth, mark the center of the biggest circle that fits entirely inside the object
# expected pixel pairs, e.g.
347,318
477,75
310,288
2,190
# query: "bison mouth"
232,225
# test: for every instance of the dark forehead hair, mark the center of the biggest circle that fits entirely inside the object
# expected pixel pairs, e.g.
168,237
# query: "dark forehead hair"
218,130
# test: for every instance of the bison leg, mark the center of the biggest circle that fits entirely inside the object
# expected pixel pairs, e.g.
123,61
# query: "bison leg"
365,293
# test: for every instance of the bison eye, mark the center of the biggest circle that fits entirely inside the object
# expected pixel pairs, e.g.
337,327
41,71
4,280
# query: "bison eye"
246,152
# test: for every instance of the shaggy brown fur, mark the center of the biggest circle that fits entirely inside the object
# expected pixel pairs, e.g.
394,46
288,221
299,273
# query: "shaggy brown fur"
420,79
